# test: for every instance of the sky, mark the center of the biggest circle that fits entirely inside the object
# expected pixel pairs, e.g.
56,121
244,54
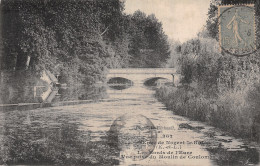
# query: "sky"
181,19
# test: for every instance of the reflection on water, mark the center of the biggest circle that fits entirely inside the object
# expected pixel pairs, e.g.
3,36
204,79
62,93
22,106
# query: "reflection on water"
51,137
81,93
119,87
79,135
25,87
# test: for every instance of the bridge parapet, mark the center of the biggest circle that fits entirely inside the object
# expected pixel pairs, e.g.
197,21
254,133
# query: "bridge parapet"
143,71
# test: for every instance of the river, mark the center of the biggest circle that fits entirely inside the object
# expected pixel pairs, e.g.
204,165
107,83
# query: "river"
79,135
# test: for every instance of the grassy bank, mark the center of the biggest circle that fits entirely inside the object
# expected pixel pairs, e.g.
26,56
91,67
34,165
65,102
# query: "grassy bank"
235,112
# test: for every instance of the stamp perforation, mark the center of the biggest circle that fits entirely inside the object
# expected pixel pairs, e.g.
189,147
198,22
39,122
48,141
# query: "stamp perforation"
240,4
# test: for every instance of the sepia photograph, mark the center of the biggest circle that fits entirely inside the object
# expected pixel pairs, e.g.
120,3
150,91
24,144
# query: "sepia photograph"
130,82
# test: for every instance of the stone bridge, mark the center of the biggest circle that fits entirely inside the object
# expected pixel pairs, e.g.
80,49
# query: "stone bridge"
141,75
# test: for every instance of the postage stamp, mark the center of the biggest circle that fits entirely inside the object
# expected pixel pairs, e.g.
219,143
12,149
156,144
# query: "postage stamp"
237,29
134,135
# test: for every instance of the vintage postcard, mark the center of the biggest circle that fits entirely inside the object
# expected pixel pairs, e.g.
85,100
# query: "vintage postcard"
129,82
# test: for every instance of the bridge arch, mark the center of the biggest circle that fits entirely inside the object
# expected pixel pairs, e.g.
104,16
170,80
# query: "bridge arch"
119,83
119,80
156,80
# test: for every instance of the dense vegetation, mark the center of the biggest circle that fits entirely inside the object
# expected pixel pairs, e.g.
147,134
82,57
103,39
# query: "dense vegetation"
77,40
217,88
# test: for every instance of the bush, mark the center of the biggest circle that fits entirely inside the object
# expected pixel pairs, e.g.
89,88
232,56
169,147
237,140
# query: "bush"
230,111
185,101
253,100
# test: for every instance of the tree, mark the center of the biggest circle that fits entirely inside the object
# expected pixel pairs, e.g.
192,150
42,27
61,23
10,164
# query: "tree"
212,21
148,44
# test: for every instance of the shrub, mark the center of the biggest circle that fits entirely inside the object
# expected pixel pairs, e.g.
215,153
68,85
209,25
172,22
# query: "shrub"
231,111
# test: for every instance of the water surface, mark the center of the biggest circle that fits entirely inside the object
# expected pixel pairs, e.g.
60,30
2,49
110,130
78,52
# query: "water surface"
79,135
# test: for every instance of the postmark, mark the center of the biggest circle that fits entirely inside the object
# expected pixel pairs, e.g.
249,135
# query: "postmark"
135,136
237,29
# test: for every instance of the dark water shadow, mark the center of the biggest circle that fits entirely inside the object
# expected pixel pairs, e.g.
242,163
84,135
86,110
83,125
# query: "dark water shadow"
25,87
119,83
81,93
36,139
119,87
224,157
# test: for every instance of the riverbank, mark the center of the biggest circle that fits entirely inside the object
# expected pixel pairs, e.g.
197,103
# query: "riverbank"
31,106
230,113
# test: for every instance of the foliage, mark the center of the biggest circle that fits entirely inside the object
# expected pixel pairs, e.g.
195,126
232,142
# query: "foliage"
148,44
232,109
55,142
79,39
212,21
172,61
217,86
